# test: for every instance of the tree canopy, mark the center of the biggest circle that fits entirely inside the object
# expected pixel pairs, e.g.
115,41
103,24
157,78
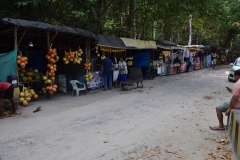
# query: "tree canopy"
212,20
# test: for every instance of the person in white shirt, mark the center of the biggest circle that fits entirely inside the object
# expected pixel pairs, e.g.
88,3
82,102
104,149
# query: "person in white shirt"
122,66
214,56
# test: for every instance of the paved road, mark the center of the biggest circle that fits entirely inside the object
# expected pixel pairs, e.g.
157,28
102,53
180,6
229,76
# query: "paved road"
167,119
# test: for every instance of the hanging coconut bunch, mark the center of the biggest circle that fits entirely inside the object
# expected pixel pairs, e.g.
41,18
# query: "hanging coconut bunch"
22,61
52,55
160,56
97,51
88,76
52,89
129,62
27,95
87,65
50,86
52,68
74,57
103,57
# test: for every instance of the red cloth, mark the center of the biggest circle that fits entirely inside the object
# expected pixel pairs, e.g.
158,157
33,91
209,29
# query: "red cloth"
4,86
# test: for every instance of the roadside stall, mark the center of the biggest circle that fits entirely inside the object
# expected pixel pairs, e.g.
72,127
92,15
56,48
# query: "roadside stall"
113,48
141,52
196,53
41,54
171,56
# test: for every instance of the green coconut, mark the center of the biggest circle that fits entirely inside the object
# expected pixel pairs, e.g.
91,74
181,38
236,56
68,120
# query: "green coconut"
24,79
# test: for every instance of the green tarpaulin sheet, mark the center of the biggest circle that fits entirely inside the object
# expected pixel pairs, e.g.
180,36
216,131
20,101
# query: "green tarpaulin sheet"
7,65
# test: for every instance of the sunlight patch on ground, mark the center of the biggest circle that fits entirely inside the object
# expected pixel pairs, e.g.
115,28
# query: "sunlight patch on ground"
227,72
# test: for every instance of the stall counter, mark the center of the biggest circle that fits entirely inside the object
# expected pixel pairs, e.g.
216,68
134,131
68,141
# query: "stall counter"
173,69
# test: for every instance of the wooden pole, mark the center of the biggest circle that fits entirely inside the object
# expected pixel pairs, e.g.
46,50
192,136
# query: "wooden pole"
87,49
15,37
21,37
48,46
48,40
52,37
16,92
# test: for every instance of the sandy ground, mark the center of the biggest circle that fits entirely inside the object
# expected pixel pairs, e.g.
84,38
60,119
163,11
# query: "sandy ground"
168,119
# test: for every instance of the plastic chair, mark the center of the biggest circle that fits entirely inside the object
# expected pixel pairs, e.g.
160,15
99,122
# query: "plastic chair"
76,88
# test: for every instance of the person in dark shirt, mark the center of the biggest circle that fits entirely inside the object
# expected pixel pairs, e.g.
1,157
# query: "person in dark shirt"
107,65
177,61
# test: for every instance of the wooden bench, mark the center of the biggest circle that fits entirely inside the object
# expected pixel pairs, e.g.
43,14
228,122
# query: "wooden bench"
135,76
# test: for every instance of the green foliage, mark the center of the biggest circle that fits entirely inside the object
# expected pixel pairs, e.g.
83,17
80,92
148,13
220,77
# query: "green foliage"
211,23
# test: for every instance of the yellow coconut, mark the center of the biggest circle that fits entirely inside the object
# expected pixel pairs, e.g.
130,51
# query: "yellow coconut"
21,99
49,81
28,99
25,103
35,96
21,94
44,78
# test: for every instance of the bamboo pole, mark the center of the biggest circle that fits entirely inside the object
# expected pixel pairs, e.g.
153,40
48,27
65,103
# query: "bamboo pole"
53,37
48,40
21,37
15,37
48,46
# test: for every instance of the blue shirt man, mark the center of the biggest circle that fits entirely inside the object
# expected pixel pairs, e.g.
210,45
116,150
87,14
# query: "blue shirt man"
107,65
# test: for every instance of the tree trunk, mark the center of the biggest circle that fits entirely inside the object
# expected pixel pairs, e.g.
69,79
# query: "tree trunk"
197,38
102,12
132,18
154,29
190,31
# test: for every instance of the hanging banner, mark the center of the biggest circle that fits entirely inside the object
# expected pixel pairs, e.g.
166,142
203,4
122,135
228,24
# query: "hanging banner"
8,65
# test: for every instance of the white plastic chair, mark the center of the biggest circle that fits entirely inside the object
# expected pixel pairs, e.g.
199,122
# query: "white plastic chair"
75,87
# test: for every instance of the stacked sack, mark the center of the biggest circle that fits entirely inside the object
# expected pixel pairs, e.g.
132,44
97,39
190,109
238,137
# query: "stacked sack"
62,84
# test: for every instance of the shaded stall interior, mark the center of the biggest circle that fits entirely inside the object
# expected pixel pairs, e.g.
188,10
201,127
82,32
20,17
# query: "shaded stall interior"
142,53
112,47
33,39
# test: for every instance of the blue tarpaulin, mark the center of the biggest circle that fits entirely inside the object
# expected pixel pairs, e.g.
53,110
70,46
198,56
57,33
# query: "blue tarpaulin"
8,65
208,60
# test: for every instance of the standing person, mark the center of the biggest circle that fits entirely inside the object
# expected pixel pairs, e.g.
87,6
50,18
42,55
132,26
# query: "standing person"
177,61
6,92
228,105
107,65
214,56
213,63
186,58
122,66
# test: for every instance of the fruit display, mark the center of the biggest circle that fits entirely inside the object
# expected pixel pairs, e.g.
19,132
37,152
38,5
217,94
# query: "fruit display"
52,55
22,61
29,75
129,62
49,78
87,65
51,89
74,57
109,49
103,57
160,56
27,95
88,76
50,86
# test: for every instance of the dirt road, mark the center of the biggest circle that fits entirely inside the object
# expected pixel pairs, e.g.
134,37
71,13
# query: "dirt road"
168,119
